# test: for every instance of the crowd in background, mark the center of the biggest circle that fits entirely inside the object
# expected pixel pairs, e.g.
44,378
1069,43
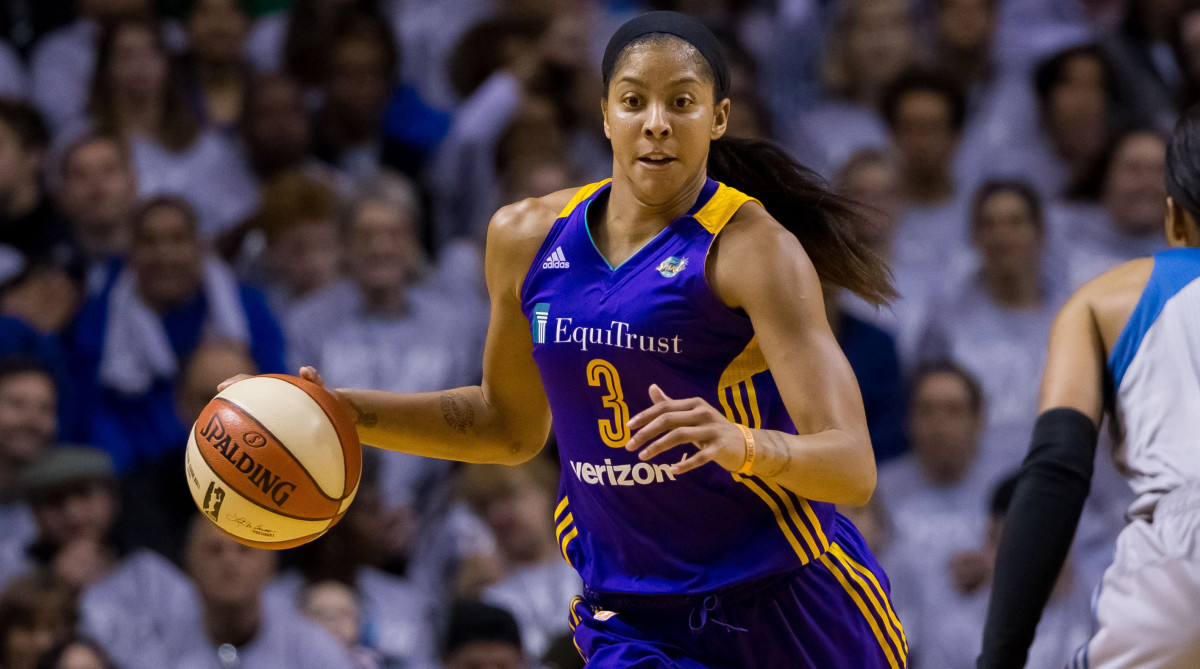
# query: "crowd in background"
192,189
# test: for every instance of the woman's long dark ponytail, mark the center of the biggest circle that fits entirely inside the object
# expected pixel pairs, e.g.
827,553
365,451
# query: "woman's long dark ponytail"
826,223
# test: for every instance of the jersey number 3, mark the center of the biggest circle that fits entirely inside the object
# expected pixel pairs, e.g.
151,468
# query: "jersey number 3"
614,432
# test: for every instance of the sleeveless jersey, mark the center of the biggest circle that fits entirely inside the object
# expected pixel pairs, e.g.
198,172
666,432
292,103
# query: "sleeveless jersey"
1155,366
601,336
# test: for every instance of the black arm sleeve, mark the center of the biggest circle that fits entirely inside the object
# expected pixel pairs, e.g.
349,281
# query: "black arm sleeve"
1038,531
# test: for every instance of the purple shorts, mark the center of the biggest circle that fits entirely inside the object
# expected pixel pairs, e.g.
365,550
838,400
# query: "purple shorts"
832,613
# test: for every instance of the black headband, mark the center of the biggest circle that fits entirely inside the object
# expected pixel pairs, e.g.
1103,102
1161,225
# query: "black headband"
672,23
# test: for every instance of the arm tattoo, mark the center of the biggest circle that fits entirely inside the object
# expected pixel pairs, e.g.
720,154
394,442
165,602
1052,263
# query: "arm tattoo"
783,460
368,419
457,411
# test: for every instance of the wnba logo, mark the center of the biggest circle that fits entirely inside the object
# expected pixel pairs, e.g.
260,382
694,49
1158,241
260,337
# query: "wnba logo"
541,314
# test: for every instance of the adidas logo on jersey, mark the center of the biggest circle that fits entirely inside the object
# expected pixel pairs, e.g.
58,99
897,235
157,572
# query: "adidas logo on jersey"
556,260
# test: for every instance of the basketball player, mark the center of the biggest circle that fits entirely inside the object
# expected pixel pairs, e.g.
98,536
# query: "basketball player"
676,332
1128,342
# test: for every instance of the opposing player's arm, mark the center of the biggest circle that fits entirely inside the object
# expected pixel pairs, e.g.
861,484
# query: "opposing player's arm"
505,419
761,268
1055,476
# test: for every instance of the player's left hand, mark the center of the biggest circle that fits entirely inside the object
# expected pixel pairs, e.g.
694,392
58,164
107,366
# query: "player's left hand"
689,421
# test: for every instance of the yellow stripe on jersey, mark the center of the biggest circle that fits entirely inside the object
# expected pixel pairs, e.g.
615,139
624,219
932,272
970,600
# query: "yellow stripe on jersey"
737,375
779,517
567,523
743,417
781,513
574,617
747,363
836,570
876,594
567,540
752,400
721,207
581,195
562,527
819,543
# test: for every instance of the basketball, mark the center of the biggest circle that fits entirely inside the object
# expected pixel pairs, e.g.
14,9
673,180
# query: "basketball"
274,461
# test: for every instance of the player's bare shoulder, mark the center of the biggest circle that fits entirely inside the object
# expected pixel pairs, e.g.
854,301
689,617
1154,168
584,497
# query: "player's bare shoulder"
1111,297
515,234
755,252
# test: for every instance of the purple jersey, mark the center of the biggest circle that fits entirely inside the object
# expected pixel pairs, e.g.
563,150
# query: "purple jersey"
601,336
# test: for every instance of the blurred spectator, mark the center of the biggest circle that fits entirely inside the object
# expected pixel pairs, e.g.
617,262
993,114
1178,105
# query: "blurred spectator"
934,496
230,579
1001,106
137,96
277,134
217,76
163,525
925,113
383,328
567,77
531,579
530,157
871,352
1120,206
428,32
129,340
478,635
386,328
1078,99
869,43
97,196
393,614
963,38
303,252
28,221
334,606
996,324
490,69
14,81
956,628
72,492
36,306
149,615
297,41
63,61
1185,41
37,611
871,178
22,22
1141,56
76,653
359,77
27,431
358,88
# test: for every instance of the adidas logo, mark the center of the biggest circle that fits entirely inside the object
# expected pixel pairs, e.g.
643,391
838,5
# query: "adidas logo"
556,260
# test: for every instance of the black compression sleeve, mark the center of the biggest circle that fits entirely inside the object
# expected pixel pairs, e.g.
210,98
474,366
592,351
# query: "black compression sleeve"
1038,531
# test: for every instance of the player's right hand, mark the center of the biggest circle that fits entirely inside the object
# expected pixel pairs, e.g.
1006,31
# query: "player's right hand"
308,373
232,380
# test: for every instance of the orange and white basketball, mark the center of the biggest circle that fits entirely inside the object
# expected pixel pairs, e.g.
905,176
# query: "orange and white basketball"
274,461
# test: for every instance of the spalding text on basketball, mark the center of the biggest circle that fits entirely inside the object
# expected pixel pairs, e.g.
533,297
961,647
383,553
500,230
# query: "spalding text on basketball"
272,484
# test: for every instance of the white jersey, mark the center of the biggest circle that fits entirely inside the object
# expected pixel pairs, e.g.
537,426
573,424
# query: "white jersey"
1155,366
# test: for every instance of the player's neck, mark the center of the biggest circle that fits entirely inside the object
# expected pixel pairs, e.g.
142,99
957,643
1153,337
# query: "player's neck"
234,625
626,223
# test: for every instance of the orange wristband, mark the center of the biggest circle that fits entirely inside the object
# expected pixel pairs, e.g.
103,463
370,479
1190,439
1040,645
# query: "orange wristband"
747,466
